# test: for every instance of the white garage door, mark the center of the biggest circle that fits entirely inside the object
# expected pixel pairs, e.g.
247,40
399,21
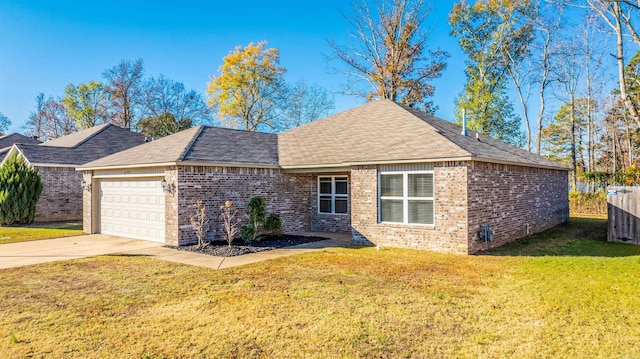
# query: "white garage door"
132,208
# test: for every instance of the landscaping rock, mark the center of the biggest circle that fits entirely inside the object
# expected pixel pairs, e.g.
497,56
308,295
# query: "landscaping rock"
266,243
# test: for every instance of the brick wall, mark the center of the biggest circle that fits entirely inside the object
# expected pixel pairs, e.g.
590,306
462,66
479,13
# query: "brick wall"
171,209
87,220
449,232
515,201
61,197
323,222
287,194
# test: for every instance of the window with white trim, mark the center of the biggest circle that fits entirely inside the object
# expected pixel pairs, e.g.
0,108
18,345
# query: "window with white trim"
406,197
333,194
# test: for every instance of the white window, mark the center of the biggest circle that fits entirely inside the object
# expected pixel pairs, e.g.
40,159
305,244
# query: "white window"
333,194
406,197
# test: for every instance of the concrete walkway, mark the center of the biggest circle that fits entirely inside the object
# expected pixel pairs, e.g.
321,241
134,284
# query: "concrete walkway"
50,250
203,260
57,249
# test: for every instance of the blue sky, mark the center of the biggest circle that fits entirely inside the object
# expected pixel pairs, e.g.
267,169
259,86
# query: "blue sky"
45,45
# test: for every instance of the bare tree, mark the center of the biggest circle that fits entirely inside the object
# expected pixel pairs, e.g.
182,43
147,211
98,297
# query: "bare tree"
56,121
618,15
390,53
230,222
593,52
520,75
169,108
547,28
124,83
569,74
34,122
305,103
200,222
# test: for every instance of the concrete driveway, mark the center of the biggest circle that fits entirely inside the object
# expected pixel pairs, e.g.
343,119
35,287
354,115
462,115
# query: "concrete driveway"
50,250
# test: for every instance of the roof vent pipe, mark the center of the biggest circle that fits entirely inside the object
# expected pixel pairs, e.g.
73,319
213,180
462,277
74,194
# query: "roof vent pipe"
464,123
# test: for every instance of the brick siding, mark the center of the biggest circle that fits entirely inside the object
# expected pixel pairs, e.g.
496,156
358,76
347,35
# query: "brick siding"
171,208
322,222
515,201
286,194
87,205
61,197
449,232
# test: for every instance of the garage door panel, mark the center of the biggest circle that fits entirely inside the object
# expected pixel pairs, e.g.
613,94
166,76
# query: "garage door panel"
132,208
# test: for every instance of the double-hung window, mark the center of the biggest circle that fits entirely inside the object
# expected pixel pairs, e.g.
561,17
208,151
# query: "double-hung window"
333,194
406,197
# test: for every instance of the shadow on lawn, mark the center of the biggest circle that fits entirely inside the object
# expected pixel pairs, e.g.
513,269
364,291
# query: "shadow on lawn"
579,237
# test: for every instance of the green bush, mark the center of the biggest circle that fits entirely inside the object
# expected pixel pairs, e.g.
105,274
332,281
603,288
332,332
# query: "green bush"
257,211
273,224
588,203
20,188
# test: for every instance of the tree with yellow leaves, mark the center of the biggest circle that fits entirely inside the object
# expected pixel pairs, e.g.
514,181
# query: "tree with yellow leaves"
247,90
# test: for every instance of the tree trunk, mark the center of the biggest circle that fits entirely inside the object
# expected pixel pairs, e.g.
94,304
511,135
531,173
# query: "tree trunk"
540,117
573,140
621,76
523,103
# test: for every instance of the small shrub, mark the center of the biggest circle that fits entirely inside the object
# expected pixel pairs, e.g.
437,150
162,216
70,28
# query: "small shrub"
229,222
200,222
20,188
247,234
257,211
273,224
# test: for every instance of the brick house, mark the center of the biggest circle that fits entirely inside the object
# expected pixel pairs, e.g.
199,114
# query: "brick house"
389,174
56,160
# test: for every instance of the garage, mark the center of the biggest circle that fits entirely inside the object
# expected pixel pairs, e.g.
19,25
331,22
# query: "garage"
132,208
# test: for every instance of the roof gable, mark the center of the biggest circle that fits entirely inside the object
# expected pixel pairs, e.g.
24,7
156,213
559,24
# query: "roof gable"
202,144
82,147
376,131
8,140
164,150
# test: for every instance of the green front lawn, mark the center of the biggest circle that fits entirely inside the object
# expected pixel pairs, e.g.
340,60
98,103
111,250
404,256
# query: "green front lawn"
575,299
13,234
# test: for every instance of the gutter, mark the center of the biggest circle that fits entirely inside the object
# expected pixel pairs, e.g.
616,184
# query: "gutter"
329,167
181,163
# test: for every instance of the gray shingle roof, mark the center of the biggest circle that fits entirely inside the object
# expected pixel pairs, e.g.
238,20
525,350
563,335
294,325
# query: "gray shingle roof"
76,138
378,132
384,131
200,144
82,147
8,140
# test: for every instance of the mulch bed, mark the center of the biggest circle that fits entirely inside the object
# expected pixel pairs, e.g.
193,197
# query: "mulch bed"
238,248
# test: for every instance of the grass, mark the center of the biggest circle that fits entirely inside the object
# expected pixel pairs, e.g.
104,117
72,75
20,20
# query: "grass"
575,298
12,234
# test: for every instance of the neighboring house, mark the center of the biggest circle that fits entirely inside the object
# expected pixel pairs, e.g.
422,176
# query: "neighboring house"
389,174
9,140
56,160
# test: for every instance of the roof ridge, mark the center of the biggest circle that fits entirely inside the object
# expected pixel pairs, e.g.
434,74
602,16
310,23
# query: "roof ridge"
189,145
104,126
9,134
431,118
